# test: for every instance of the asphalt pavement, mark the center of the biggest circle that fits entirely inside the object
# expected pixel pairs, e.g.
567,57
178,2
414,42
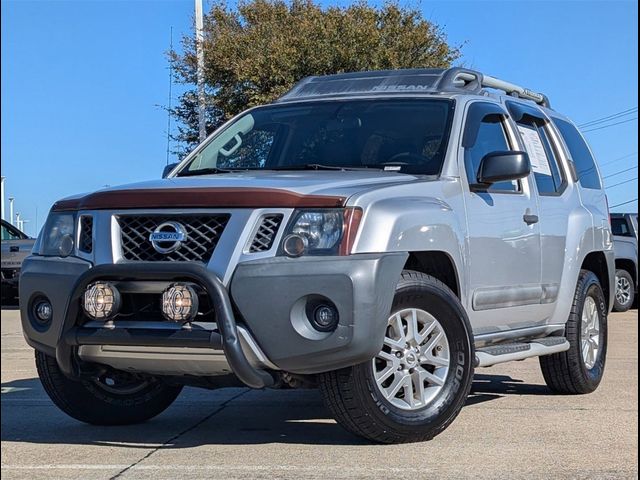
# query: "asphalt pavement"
512,427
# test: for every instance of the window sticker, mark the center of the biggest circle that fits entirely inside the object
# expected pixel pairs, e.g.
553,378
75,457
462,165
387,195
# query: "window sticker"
535,149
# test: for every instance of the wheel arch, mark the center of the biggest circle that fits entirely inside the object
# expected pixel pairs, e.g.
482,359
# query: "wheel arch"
596,262
438,264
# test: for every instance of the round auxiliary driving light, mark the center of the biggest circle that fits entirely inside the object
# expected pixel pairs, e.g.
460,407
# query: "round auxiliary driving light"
294,245
101,300
179,303
325,318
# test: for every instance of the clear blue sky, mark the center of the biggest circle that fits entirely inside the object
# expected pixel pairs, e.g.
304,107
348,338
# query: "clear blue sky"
82,83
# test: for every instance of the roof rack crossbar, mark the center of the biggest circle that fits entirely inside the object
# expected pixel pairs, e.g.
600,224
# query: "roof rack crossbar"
515,90
456,78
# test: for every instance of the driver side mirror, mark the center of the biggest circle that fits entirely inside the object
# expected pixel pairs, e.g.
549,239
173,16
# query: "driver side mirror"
168,168
503,167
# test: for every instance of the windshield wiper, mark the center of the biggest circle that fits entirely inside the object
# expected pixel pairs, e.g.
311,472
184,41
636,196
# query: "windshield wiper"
203,171
319,166
308,166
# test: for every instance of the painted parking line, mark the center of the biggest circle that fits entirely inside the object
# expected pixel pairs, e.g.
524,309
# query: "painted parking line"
217,468
14,389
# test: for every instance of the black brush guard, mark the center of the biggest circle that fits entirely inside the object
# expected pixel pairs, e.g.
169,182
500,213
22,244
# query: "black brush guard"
72,335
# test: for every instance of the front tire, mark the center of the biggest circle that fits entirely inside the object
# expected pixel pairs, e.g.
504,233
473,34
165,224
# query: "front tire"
416,386
580,369
624,291
117,398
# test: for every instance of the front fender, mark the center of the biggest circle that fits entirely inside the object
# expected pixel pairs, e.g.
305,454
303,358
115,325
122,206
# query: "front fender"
413,224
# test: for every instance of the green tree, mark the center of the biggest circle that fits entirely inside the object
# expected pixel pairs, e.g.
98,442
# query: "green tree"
256,52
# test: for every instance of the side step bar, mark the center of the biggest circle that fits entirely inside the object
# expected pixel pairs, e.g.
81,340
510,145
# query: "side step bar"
509,352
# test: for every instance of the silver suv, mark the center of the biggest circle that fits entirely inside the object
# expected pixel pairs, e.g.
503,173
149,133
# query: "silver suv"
378,234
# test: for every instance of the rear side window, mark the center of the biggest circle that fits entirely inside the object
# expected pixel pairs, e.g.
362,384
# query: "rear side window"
544,163
580,154
619,226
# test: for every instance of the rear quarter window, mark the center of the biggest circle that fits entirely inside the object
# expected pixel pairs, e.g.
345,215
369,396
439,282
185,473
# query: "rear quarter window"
620,227
580,154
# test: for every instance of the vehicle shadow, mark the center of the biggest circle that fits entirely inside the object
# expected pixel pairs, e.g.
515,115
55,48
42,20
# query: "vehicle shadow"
201,417
491,387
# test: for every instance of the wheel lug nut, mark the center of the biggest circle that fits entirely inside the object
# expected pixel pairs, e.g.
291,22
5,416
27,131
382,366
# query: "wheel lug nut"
398,354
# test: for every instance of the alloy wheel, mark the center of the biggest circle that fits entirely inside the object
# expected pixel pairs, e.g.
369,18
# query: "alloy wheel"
412,367
590,332
623,290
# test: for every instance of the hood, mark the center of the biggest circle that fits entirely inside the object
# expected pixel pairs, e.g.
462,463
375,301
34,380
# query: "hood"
313,188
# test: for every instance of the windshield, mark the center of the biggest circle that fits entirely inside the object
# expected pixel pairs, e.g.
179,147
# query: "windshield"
400,135
11,233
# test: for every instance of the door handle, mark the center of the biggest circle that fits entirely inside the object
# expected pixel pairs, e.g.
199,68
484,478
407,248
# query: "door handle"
530,219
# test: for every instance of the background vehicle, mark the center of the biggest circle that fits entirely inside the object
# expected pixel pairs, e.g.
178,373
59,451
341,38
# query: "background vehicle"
381,234
624,227
16,246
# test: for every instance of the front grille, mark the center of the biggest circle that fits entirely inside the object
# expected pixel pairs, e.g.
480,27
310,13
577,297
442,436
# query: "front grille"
10,273
203,233
266,234
85,243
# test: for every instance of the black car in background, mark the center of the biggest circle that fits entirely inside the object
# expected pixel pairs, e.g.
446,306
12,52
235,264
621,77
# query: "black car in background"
16,246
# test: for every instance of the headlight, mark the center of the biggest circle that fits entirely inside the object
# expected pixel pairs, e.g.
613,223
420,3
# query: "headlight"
58,234
320,232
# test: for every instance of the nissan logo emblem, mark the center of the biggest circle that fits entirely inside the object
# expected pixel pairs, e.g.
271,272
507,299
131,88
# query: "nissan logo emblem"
168,236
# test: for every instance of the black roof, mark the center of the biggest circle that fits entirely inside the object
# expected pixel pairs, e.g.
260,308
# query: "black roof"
409,81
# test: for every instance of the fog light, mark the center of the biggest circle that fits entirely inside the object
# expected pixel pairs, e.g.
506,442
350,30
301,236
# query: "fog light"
294,245
101,301
43,311
40,313
325,318
179,303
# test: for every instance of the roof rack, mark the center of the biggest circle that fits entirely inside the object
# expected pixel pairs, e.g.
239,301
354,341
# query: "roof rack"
456,76
422,80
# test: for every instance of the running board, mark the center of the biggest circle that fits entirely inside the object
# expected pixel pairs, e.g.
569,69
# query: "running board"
509,352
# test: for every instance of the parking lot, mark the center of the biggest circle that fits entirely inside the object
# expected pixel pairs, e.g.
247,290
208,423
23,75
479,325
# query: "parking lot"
512,427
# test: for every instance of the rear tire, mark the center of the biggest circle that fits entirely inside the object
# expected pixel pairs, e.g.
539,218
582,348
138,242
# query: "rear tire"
625,291
362,403
580,369
133,399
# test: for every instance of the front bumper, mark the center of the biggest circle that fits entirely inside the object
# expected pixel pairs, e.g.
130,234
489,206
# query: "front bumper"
266,297
9,277
270,295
